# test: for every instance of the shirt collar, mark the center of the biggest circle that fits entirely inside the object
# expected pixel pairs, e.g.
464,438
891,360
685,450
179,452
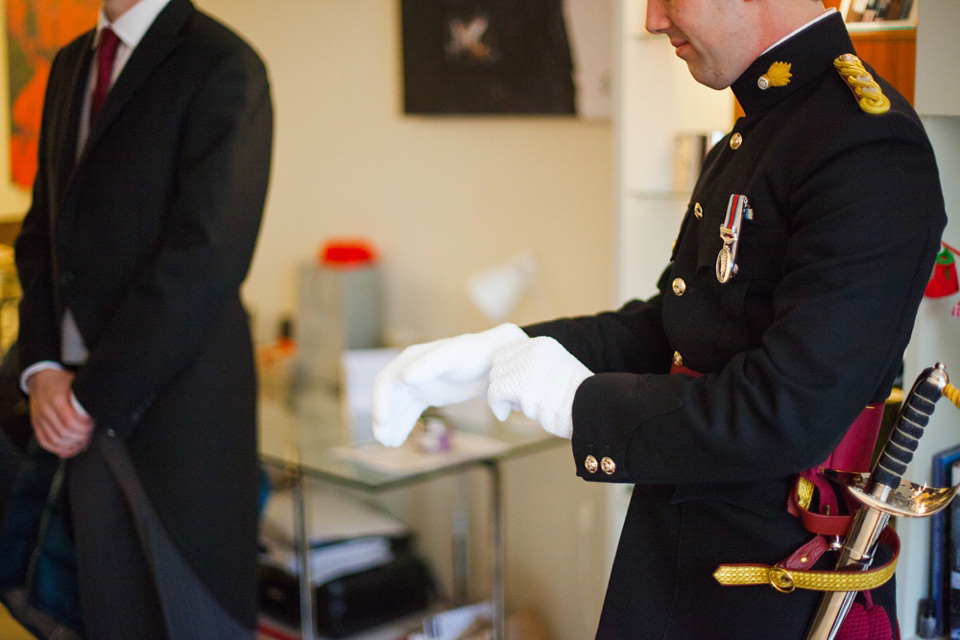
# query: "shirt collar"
796,31
133,24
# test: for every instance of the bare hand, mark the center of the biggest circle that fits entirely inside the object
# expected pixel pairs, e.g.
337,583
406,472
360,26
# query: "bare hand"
59,427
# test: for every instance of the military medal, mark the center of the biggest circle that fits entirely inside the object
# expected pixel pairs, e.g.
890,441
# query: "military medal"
737,208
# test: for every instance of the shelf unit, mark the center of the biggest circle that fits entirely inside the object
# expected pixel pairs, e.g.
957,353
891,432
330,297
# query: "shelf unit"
935,336
655,100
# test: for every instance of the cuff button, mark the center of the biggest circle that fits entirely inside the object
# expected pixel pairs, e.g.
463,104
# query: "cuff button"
608,465
590,464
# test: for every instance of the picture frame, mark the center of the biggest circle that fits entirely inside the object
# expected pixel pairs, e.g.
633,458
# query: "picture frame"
502,57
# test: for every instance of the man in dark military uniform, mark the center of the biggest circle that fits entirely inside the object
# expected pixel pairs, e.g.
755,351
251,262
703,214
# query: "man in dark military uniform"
784,312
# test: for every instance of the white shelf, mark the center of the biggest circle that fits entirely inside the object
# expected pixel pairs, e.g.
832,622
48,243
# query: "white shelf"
881,25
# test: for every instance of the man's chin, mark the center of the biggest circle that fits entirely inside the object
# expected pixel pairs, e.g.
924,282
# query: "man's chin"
707,77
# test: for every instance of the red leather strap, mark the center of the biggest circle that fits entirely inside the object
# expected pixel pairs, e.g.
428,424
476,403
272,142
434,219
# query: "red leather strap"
674,368
807,555
855,451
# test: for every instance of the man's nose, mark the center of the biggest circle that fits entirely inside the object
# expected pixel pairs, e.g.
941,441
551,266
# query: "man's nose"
657,19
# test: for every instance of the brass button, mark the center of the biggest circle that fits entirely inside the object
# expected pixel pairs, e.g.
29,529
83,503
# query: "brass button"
735,141
679,286
608,465
677,359
698,210
591,464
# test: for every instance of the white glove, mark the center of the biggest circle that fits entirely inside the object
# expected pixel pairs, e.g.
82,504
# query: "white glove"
434,374
540,378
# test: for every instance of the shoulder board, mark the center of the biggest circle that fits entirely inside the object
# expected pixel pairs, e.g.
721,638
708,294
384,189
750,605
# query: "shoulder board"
866,90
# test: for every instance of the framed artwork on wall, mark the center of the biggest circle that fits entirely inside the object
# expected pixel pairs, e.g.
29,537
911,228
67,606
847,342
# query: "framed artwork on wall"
36,29
548,57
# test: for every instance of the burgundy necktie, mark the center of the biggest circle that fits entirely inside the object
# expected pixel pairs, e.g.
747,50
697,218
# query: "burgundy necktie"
106,53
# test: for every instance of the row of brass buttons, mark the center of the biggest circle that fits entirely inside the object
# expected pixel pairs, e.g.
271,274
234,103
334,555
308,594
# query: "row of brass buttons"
679,285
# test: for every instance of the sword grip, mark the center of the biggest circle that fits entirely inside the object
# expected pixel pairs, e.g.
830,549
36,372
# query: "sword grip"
914,415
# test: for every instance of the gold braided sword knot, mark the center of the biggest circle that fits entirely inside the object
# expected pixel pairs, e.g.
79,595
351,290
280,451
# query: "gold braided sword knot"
952,394
865,88
786,580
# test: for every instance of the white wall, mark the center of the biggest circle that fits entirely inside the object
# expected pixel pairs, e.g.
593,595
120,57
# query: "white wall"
441,197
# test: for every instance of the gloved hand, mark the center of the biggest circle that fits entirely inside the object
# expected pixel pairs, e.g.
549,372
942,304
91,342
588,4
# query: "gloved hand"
432,375
540,378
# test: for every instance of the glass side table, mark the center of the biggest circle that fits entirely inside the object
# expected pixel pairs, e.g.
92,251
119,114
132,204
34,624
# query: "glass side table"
303,431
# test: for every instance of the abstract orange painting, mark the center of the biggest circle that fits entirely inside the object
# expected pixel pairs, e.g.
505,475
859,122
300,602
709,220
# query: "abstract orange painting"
36,29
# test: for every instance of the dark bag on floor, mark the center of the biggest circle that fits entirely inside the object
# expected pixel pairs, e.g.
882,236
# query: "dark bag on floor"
38,571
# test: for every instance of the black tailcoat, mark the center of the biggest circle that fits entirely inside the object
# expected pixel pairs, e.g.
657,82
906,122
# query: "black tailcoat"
146,238
847,214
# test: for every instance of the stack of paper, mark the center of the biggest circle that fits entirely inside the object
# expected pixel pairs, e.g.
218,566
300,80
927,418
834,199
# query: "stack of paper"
345,535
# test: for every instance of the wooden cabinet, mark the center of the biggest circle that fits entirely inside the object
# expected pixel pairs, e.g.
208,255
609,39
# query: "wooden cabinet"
893,53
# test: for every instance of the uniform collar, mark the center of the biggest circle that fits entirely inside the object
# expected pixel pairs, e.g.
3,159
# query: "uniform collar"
792,64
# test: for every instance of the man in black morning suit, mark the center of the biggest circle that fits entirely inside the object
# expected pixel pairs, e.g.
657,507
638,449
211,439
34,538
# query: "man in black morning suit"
841,221
141,230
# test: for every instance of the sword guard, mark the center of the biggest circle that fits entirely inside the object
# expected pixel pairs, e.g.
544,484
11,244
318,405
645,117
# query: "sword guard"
909,500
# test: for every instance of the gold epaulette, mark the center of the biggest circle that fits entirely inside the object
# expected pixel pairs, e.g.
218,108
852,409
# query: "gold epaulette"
865,88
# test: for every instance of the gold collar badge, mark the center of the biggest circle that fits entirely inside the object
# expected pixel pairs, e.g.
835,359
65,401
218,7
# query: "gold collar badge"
864,87
778,75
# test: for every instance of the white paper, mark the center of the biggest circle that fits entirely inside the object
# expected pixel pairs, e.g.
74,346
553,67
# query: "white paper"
410,458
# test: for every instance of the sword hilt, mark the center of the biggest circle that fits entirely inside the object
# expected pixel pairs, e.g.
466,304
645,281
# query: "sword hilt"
914,415
872,516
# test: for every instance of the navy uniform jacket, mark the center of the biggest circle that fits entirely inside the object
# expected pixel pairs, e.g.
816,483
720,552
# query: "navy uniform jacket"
847,214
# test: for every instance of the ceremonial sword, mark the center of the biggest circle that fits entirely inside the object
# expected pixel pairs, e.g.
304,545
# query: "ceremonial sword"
885,493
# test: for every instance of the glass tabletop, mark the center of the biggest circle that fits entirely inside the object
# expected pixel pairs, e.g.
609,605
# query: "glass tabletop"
305,428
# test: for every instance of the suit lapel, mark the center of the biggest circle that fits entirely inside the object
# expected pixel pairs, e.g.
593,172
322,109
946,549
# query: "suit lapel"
67,119
160,39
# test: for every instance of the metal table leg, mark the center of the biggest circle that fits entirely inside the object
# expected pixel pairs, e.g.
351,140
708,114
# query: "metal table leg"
307,622
461,545
496,516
